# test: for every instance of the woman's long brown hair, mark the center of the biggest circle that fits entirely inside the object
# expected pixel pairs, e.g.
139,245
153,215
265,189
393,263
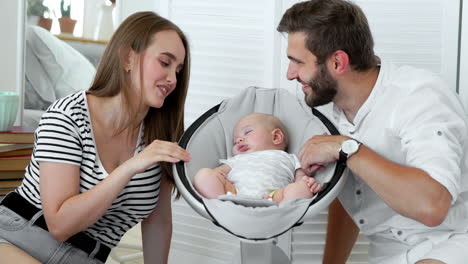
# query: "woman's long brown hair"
136,33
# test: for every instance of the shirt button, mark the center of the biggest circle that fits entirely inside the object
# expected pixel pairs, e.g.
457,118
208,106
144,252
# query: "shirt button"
358,192
362,221
439,133
399,233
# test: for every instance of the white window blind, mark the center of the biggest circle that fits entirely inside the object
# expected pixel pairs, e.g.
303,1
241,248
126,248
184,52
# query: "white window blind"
228,48
416,32
231,49
235,45
463,81
422,33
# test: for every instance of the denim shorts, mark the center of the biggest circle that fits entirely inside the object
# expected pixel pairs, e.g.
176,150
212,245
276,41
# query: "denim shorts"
38,242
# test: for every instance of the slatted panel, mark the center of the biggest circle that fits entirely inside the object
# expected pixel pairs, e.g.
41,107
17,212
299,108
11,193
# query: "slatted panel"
416,32
198,236
228,42
422,33
463,82
229,53
308,243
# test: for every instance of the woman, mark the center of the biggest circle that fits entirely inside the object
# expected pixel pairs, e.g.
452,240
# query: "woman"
102,157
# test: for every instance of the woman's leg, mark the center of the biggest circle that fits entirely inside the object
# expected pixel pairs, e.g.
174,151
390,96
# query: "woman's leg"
11,254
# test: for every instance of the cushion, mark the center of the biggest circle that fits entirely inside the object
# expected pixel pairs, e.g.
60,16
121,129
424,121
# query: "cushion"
53,69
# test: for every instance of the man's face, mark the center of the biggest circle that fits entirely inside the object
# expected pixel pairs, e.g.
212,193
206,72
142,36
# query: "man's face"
318,85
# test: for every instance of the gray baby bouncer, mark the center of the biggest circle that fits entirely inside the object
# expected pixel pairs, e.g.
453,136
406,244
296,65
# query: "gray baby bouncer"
257,222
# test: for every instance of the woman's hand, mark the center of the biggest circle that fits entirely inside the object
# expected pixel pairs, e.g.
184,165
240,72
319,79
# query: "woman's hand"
155,152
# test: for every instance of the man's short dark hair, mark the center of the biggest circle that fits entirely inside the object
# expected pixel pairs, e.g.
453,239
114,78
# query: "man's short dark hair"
331,25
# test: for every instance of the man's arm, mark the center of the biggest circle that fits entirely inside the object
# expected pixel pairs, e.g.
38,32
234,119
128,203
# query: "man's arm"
342,233
409,191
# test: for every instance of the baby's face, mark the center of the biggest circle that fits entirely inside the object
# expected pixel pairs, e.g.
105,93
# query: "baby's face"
250,135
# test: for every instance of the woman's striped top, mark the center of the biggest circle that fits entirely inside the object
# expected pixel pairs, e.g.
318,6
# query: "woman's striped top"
65,135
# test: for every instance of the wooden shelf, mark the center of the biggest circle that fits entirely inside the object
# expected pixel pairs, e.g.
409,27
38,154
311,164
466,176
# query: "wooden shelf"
70,37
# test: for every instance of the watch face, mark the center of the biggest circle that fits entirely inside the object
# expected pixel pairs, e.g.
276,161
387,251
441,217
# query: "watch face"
349,146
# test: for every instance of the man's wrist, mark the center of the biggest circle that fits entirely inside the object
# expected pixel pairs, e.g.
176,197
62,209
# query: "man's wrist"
349,147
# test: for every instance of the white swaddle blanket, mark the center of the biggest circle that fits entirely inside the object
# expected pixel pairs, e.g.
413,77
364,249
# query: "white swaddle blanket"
258,173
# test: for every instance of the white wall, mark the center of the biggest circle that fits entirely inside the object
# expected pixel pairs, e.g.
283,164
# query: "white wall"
126,8
222,33
12,23
463,72
90,16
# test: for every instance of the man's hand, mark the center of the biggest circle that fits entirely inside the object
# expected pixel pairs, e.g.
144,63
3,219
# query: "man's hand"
318,151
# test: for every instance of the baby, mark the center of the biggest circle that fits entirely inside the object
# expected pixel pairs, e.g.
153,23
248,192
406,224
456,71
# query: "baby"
260,167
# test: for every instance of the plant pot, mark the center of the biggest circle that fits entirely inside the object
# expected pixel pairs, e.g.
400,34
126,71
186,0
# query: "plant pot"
67,25
8,109
45,23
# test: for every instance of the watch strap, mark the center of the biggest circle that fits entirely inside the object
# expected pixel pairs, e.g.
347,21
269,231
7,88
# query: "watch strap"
343,157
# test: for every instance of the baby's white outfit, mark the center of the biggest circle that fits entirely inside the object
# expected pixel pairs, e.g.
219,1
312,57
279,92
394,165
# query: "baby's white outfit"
258,173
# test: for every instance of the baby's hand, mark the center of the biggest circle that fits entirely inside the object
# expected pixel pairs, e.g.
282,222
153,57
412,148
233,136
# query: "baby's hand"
229,186
313,185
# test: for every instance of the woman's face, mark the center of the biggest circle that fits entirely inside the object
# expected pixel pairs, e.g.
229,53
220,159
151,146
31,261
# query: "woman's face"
162,60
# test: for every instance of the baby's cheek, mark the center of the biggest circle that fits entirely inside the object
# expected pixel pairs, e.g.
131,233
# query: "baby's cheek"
234,152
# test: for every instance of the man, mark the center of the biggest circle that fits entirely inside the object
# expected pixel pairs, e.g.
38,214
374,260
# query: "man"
404,140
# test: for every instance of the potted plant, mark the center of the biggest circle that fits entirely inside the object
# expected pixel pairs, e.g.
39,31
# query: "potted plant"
36,11
67,25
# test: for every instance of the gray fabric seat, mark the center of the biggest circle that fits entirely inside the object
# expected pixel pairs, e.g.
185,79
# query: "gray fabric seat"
210,139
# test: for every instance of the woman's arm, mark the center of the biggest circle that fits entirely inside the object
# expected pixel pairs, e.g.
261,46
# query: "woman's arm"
68,212
156,229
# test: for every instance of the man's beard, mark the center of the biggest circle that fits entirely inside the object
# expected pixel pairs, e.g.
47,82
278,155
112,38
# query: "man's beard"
323,86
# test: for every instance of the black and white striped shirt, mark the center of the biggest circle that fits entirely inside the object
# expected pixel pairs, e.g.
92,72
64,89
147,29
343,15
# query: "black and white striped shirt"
65,135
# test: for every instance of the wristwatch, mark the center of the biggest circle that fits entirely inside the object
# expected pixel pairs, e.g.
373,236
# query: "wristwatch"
348,148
